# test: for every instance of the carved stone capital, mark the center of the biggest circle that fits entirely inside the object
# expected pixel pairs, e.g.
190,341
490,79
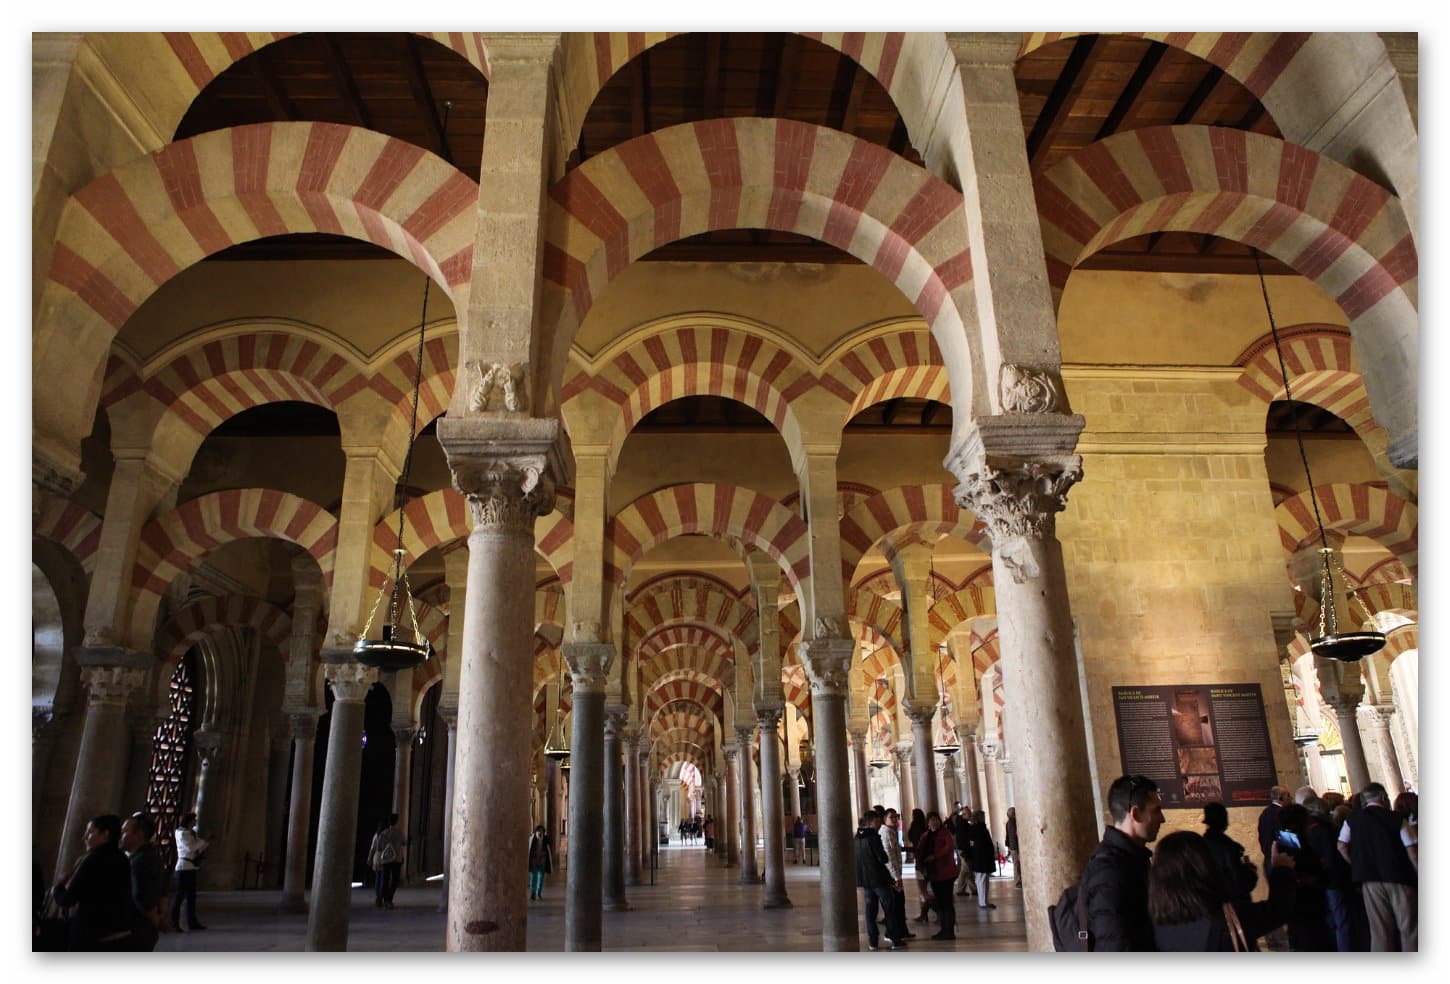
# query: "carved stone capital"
745,734
768,715
616,722
403,737
589,664
827,663
351,681
449,714
1378,716
111,686
903,752
857,736
731,754
832,627
504,494
302,725
208,745
918,711
989,750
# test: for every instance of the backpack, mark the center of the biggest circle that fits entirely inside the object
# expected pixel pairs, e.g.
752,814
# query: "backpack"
1069,921
387,852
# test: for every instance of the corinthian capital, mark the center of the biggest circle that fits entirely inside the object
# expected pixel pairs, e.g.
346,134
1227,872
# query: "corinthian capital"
506,468
351,681
208,745
110,686
769,715
827,663
745,734
616,722
919,711
589,664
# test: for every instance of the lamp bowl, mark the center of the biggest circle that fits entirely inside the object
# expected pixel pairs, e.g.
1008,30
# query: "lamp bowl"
1348,647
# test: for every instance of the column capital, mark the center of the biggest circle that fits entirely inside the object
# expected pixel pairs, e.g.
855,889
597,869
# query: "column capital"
1344,702
768,714
302,724
616,721
404,735
208,745
111,686
505,466
827,661
989,750
589,664
744,733
920,712
903,752
731,754
1377,715
449,714
351,680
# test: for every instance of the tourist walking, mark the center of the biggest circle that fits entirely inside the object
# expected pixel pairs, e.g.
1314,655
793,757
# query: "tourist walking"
385,857
541,862
982,857
1115,882
1014,851
937,852
799,832
148,880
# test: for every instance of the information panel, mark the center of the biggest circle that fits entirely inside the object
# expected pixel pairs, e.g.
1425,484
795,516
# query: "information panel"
1199,743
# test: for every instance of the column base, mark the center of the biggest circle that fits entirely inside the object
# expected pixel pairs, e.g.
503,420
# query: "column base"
292,906
780,903
620,906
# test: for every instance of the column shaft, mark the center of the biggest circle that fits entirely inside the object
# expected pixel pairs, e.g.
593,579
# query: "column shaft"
614,819
101,762
861,784
274,849
732,809
332,866
402,791
1354,760
630,795
1394,780
908,794
749,870
450,716
583,912
923,755
771,813
827,660
299,813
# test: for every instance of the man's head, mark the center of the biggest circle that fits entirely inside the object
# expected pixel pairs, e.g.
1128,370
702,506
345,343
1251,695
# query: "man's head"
1375,793
539,830
1136,807
880,812
136,832
868,821
1303,793
1011,813
957,806
187,820
893,819
1279,795
1215,816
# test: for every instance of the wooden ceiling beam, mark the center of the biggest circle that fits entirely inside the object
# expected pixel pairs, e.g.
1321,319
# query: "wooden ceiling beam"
789,71
337,64
1200,96
639,96
423,96
768,81
1060,101
1252,117
265,74
714,101
1123,108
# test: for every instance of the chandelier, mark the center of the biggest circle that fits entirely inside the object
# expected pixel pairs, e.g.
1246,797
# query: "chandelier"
1353,644
556,747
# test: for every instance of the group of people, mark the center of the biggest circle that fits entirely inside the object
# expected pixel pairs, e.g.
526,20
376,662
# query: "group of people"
953,857
698,828
114,897
1341,875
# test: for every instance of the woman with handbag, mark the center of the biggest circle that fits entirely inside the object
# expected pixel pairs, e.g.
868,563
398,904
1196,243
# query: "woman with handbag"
1189,904
98,890
937,850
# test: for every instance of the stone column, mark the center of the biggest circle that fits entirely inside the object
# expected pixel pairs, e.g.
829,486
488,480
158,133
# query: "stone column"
775,897
1015,473
337,817
143,747
101,761
44,724
924,781
616,719
1378,718
208,746
967,767
583,913
644,833
450,719
861,782
731,833
274,850
553,800
1009,794
749,870
1346,713
795,792
903,779
299,809
724,815
992,788
629,793
827,660
402,790
943,781
487,886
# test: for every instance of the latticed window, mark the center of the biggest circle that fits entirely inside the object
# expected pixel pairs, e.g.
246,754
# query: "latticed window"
172,745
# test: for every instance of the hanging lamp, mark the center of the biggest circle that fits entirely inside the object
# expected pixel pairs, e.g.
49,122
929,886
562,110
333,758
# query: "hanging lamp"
1355,644
555,747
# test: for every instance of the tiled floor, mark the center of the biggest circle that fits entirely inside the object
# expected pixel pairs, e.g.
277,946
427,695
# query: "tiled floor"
694,905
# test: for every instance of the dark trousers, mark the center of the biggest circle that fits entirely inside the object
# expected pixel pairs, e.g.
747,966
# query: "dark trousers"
185,892
896,915
876,897
946,911
387,881
1337,915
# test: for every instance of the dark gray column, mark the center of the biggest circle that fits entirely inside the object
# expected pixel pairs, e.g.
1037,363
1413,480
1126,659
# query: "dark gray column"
101,761
327,920
630,794
827,660
749,869
732,807
923,756
583,910
771,807
303,726
616,719
449,714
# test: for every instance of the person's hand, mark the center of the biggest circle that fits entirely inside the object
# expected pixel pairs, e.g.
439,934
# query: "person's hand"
898,884
1278,860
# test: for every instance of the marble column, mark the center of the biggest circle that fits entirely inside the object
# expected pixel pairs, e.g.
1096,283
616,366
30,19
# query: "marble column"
724,814
630,795
450,720
1346,710
749,869
1377,716
274,849
553,800
794,786
142,723
860,773
992,788
101,761
922,751
487,885
1016,470
971,788
644,833
616,718
731,831
944,781
768,717
44,725
303,725
583,909
903,779
332,867
827,660
402,791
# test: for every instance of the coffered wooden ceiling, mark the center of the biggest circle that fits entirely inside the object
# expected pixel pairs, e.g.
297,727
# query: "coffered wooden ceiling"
1072,93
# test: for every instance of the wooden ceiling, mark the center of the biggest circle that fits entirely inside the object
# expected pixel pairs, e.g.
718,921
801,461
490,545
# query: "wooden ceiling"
1072,93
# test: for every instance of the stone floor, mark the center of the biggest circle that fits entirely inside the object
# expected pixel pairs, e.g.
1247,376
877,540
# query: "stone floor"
694,906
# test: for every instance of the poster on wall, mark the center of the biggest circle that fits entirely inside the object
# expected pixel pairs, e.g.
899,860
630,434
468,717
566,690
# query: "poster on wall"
1199,742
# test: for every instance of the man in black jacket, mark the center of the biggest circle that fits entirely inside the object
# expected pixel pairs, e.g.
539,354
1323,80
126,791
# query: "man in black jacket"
148,879
873,874
1269,822
1115,882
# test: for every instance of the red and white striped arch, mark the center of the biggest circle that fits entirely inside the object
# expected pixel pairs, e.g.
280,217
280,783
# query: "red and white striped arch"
173,541
692,722
73,527
1362,510
796,689
1402,640
393,381
921,509
196,618
548,606
880,617
974,599
716,508
678,660
901,362
707,695
763,174
689,599
1333,226
698,360
986,650
1389,596
708,638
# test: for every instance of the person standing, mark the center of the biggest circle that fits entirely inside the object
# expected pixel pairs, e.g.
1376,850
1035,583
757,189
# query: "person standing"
1115,881
385,857
923,887
99,887
937,850
799,832
959,823
1383,861
190,851
1269,822
890,833
148,880
541,862
982,856
873,876
1010,836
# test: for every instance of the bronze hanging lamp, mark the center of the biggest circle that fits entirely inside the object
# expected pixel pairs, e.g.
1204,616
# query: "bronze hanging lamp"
1351,645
